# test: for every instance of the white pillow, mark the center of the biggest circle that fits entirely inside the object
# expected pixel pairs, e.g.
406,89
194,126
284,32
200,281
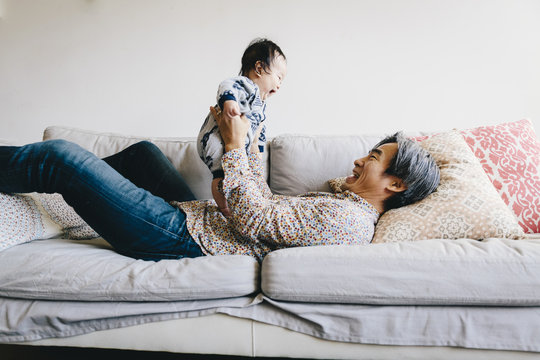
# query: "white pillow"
33,216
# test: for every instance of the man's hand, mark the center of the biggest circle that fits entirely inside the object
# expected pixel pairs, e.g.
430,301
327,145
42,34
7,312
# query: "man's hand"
233,130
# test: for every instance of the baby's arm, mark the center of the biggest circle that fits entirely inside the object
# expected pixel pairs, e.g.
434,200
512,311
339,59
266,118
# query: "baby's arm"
238,89
230,109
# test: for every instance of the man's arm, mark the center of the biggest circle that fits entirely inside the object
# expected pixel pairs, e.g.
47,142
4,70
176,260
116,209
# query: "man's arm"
284,221
256,165
233,130
257,217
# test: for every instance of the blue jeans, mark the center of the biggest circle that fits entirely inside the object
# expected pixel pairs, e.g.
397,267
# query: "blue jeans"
123,197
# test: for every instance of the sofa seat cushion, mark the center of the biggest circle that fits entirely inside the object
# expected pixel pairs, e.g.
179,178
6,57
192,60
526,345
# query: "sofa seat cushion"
89,270
498,272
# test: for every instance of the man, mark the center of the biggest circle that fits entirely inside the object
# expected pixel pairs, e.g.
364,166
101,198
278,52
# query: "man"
395,173
128,197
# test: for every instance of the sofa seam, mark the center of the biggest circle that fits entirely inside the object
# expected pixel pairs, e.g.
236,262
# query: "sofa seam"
253,350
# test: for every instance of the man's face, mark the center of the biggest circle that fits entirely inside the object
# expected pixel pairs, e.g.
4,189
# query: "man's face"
369,177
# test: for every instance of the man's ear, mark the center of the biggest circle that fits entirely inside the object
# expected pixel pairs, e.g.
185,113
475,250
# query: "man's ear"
396,185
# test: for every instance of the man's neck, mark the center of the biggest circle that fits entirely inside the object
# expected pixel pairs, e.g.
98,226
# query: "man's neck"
376,201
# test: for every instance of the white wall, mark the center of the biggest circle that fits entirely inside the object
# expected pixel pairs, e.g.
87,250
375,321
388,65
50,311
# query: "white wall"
152,68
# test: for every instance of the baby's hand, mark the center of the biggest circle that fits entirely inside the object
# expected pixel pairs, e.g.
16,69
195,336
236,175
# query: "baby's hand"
231,108
219,198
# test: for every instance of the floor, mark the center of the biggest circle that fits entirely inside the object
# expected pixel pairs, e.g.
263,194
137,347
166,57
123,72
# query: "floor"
21,352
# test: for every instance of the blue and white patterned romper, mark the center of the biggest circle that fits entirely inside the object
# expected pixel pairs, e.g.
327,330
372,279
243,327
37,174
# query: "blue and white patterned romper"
246,93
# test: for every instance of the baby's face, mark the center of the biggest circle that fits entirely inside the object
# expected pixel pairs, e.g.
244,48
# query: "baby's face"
270,82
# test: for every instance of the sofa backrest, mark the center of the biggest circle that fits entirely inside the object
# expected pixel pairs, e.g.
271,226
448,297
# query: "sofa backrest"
302,163
294,164
182,152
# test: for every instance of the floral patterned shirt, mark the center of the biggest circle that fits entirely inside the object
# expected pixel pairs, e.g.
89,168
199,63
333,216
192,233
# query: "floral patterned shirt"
262,222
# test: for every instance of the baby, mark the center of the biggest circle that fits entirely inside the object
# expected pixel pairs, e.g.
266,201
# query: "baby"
264,67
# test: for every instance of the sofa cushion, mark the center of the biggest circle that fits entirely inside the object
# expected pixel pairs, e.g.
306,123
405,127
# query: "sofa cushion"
429,272
89,270
465,204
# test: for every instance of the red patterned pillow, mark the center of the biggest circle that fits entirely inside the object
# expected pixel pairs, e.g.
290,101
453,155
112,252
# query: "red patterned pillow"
510,156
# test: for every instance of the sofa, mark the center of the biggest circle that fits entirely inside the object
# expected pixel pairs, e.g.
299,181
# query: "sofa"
452,277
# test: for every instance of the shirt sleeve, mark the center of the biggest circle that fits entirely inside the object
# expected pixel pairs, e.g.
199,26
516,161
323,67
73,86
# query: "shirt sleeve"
275,221
244,197
238,89
256,165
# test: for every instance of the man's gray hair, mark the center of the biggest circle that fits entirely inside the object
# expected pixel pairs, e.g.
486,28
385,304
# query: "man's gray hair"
415,167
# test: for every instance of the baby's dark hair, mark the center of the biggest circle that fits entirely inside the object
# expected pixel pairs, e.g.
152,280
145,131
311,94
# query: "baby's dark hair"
262,50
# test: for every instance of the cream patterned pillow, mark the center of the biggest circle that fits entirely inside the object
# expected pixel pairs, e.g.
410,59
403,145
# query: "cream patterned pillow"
72,225
465,205
335,184
33,216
